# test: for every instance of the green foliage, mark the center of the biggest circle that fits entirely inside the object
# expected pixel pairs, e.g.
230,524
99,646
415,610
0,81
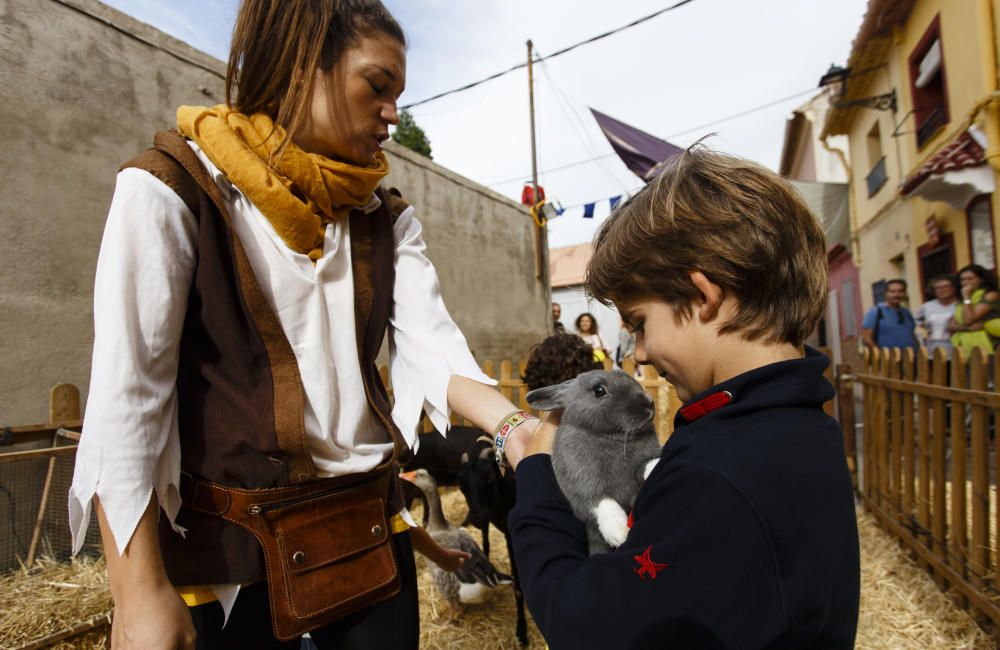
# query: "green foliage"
411,136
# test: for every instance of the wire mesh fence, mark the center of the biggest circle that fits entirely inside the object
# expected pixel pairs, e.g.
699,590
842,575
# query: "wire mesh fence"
34,488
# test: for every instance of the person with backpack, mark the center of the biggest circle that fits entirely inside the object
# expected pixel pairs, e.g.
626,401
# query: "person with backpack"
890,324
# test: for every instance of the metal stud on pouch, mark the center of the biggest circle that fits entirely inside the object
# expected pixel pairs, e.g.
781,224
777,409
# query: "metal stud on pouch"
298,557
376,530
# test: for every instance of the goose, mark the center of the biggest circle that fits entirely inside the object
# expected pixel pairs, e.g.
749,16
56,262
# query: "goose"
469,584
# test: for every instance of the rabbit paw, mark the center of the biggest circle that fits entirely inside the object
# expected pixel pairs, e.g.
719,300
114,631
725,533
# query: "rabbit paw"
611,521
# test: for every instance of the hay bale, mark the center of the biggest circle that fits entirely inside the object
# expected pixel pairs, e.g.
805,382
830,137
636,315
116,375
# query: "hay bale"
901,606
52,597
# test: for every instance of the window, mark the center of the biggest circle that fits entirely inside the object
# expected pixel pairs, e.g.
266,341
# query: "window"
928,85
878,292
876,161
980,215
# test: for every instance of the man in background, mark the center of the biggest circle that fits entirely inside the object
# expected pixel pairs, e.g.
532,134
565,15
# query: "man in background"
890,324
557,327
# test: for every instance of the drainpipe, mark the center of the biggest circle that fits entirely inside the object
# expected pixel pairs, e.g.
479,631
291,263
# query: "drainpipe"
851,211
987,34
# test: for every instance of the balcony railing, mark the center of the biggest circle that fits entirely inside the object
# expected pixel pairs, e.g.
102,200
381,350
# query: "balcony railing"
876,177
935,120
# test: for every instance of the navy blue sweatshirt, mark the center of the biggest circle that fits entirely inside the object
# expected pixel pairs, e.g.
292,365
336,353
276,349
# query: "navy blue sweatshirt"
743,536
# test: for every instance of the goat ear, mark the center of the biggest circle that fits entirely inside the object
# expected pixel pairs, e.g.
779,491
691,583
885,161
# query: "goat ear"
486,453
465,458
547,398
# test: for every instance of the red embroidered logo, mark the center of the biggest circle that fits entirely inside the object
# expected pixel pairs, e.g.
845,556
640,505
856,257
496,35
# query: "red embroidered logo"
647,566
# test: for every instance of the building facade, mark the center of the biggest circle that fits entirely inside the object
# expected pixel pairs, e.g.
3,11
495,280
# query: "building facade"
917,103
818,169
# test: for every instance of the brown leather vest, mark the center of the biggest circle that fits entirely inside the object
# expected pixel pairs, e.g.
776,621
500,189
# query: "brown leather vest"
239,392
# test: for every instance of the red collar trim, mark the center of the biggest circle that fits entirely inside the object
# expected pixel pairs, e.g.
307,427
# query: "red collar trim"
706,405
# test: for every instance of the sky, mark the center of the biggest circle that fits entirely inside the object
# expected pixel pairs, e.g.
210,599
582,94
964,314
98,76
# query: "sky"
679,76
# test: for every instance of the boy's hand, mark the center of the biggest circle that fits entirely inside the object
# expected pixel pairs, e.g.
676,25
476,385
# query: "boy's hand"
531,438
451,560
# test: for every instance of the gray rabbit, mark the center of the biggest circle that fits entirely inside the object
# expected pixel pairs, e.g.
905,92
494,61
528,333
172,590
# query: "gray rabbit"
604,448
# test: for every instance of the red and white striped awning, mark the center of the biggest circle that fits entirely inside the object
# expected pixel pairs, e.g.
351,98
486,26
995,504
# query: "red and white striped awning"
962,152
955,174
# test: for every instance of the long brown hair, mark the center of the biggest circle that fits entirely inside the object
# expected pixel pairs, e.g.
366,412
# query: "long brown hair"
278,44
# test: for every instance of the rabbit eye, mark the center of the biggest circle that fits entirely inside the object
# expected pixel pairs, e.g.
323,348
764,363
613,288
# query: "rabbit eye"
600,390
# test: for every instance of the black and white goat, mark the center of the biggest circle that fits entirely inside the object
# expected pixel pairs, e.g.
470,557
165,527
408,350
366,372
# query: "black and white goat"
491,497
442,457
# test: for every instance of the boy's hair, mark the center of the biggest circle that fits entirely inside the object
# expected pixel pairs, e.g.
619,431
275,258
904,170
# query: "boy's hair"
558,358
896,281
739,224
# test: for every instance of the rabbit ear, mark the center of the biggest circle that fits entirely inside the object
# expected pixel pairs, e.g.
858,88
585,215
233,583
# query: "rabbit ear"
548,398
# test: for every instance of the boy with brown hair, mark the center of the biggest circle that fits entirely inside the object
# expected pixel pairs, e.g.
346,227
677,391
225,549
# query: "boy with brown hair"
744,535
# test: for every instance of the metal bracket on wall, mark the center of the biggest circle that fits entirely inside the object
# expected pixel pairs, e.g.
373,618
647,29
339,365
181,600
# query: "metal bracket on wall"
883,102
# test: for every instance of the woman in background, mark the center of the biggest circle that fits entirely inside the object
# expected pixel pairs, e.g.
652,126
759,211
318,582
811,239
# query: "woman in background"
972,319
586,327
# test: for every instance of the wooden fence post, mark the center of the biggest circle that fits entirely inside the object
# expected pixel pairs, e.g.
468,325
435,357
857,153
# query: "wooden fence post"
909,441
996,445
64,404
979,543
958,540
884,415
923,453
867,427
939,525
896,441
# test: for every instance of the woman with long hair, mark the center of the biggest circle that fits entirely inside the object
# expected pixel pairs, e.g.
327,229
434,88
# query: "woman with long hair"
587,329
972,322
239,445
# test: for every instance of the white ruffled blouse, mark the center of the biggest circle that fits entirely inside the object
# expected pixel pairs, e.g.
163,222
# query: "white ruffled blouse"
130,446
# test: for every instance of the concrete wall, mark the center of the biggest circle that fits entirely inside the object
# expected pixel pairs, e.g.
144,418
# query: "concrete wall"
482,245
84,88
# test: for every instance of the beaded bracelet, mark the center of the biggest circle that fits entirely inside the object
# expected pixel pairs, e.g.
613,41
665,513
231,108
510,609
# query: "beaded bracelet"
508,424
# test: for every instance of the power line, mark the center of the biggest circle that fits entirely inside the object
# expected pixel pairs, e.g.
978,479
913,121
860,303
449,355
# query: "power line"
551,56
672,135
581,133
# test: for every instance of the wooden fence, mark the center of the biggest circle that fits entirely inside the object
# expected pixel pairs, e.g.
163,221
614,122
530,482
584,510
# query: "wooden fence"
929,463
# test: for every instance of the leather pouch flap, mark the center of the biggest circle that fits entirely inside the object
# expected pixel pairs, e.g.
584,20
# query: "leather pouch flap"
311,539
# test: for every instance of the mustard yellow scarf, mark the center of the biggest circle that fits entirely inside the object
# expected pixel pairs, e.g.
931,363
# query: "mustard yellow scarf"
300,192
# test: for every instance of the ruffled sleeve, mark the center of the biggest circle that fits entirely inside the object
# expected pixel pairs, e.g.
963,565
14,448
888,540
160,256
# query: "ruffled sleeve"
130,445
426,348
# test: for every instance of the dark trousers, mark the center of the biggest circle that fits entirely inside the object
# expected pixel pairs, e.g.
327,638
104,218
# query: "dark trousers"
393,623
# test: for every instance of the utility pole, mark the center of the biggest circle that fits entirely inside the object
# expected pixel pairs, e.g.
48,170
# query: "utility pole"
539,256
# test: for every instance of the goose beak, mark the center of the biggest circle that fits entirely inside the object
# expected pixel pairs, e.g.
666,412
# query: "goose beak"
408,476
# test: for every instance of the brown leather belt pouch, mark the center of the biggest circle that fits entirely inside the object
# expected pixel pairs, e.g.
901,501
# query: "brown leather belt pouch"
327,545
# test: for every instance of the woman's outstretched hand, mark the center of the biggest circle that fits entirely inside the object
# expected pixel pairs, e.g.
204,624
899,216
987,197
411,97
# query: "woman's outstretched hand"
531,438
